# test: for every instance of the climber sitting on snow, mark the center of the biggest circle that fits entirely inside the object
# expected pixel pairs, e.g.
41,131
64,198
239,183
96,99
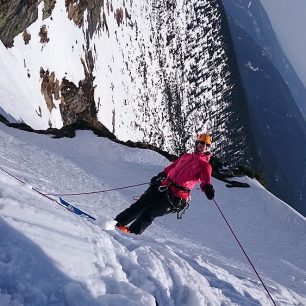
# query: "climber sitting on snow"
169,191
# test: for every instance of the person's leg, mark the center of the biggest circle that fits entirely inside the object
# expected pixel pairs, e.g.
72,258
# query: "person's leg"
132,212
146,217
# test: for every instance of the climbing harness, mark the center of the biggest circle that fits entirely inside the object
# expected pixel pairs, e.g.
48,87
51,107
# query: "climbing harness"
179,206
171,183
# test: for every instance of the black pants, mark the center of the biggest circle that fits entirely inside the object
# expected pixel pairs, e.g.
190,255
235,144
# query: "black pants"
151,204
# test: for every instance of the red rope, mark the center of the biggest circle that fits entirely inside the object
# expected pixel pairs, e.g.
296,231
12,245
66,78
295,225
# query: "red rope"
21,181
70,194
91,192
246,255
16,178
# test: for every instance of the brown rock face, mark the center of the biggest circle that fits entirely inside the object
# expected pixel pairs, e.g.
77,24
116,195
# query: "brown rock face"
26,37
15,17
77,102
76,11
48,8
43,34
49,88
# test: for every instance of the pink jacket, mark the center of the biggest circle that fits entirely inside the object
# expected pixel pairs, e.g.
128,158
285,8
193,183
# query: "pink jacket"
187,171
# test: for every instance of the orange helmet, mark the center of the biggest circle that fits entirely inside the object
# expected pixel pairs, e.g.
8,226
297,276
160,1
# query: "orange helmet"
205,138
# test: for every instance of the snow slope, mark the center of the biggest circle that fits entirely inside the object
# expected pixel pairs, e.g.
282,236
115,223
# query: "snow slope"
48,256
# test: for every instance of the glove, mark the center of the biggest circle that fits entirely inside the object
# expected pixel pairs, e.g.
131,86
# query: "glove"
156,179
209,191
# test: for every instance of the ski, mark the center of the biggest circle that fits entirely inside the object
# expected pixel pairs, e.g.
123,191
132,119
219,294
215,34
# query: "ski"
74,209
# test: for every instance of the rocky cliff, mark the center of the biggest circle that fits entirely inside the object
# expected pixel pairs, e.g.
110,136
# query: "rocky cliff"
178,72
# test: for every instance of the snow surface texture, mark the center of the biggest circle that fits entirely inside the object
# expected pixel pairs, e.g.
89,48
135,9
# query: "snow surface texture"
49,256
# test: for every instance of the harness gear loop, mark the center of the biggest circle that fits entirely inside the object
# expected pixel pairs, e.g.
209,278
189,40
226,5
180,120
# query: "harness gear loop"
179,214
162,188
179,207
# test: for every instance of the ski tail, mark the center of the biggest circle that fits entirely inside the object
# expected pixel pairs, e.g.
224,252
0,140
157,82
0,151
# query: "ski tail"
74,209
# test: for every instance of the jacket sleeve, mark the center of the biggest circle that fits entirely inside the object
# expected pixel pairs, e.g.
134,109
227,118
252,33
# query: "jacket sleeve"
206,174
171,166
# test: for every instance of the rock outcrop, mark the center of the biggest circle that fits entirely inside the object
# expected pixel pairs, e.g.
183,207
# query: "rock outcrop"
77,102
15,17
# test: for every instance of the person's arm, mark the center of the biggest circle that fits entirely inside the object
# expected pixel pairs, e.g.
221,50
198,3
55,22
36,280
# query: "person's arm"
206,185
162,175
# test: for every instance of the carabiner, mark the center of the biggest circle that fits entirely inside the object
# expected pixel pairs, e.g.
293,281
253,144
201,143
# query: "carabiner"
162,188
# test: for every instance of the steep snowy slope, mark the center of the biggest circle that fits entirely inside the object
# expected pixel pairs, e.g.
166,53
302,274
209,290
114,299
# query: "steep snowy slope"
51,257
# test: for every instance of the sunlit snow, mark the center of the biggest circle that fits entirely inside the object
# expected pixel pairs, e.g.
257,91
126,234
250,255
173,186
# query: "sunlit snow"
49,256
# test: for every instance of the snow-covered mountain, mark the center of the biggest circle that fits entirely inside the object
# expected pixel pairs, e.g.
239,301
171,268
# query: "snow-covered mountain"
159,72
49,256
